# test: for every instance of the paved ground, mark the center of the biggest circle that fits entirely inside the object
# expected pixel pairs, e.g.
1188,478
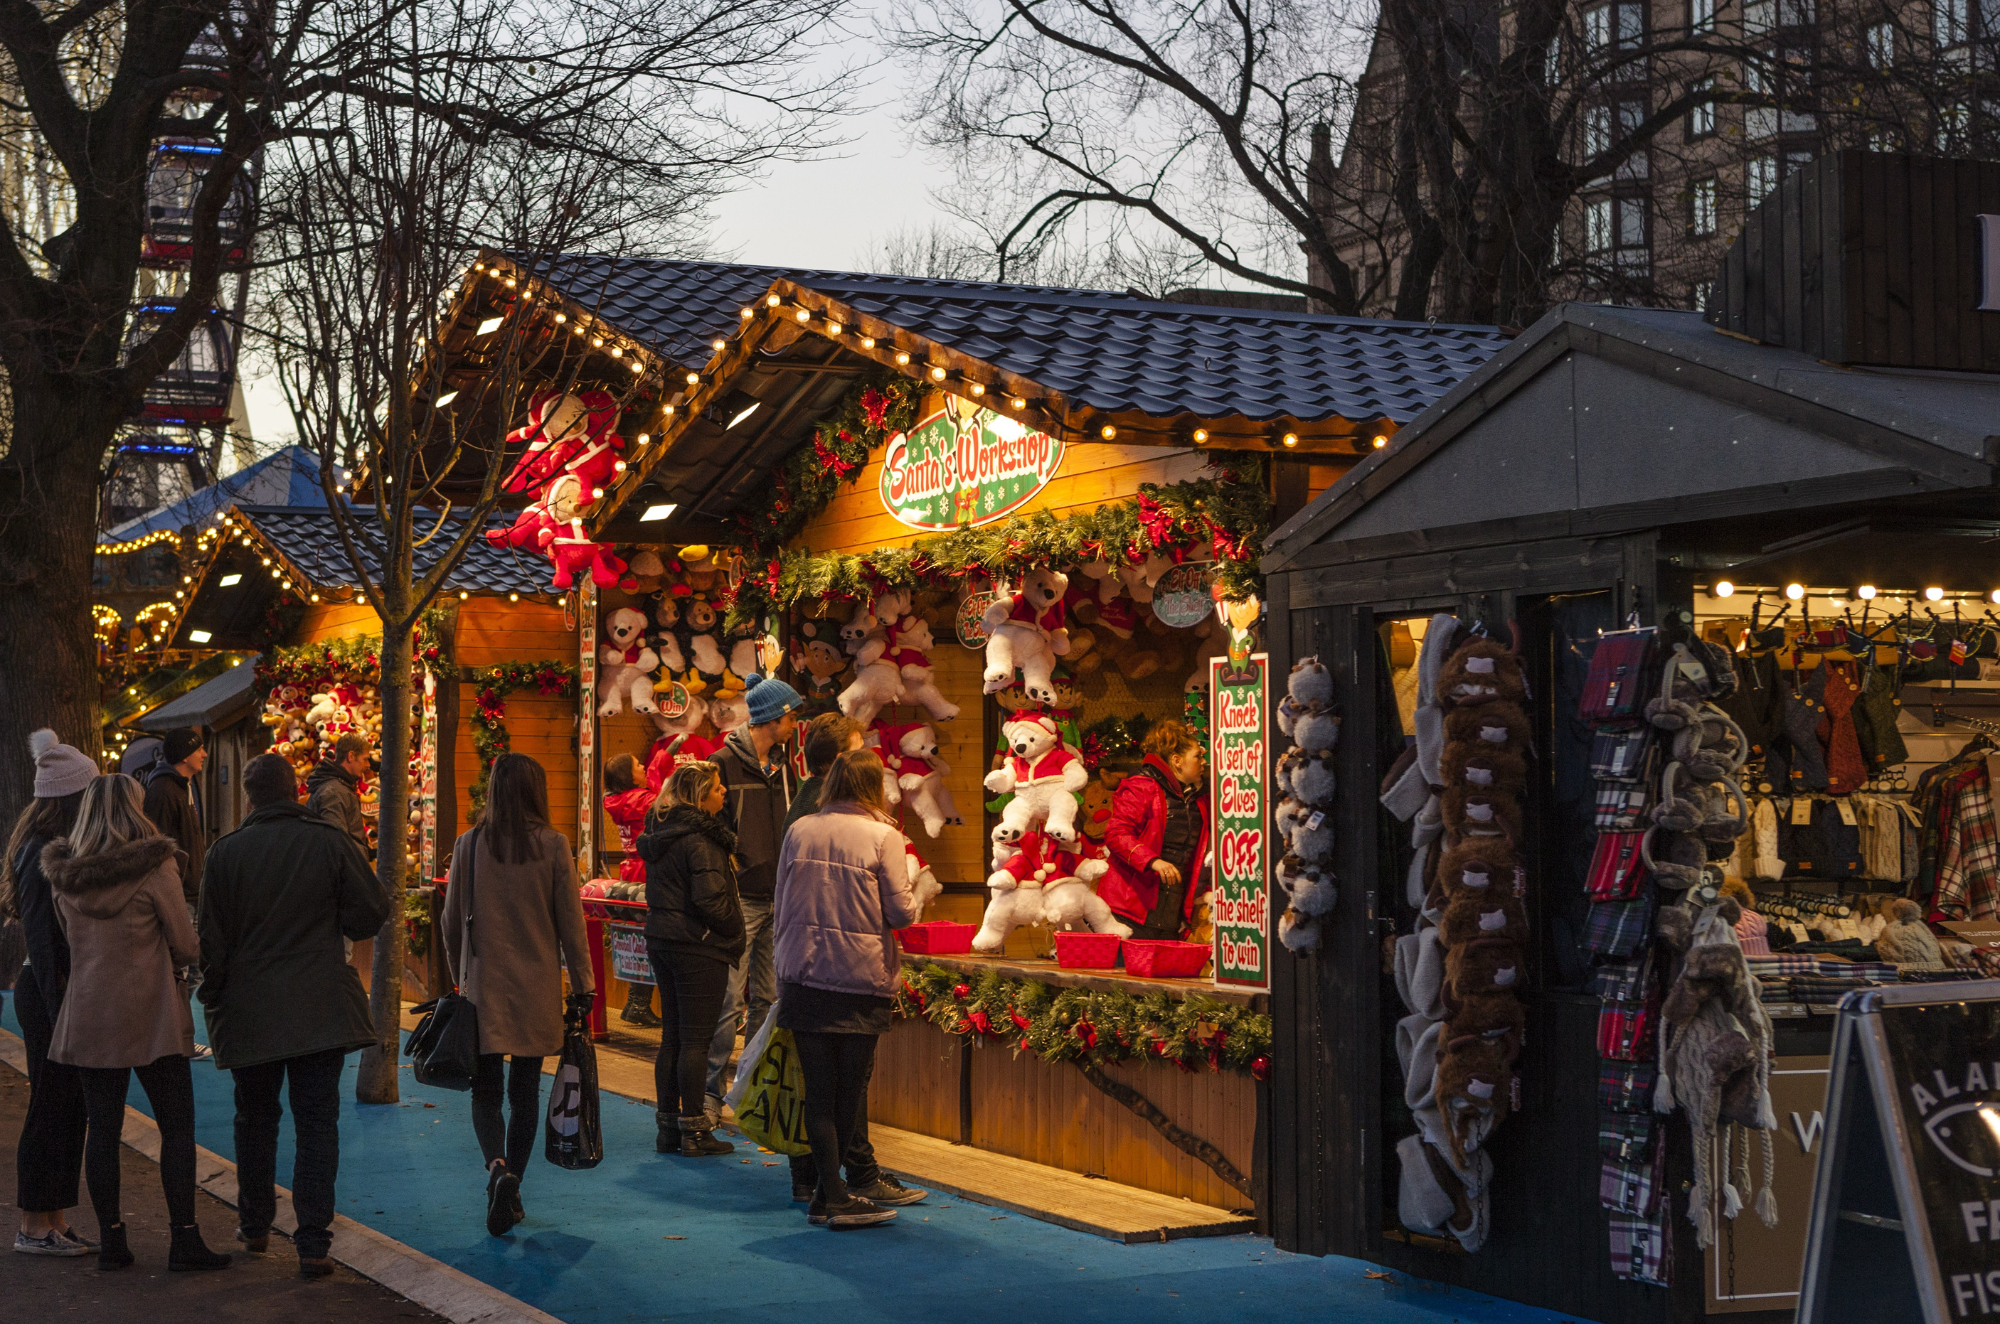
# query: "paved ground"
257,1288
647,1237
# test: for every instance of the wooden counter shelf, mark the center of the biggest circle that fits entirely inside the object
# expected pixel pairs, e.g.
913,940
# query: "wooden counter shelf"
1102,981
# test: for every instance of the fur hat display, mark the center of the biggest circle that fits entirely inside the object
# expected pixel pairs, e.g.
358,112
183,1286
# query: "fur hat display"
1482,767
1480,671
1490,726
1479,867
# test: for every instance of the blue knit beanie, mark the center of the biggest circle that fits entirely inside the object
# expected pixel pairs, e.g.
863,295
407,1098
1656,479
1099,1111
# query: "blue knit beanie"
769,699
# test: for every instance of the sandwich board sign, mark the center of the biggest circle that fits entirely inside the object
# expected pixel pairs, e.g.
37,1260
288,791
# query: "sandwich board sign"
1905,1218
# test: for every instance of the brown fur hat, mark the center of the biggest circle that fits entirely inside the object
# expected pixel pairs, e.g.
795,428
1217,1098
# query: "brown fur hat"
1482,966
1480,671
1497,1015
1473,1081
1500,725
1478,766
1477,813
1491,858
1707,974
1469,917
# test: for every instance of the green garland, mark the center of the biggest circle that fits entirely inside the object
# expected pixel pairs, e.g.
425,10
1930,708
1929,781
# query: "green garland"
356,660
1077,1024
1232,510
875,408
489,707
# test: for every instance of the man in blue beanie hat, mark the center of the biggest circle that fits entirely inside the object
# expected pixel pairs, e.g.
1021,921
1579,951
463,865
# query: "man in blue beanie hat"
756,775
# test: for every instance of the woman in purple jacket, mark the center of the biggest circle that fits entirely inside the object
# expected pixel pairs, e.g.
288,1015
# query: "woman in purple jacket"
843,890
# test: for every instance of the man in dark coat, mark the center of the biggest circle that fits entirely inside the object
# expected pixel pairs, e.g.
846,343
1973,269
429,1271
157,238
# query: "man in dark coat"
171,803
331,787
278,895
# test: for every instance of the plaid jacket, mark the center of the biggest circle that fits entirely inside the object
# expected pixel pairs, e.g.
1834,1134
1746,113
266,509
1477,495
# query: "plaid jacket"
1968,857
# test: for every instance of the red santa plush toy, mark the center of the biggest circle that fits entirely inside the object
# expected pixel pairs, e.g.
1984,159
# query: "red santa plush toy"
564,432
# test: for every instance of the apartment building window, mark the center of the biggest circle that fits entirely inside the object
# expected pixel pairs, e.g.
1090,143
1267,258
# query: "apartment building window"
1761,178
1614,29
1701,117
1951,22
1701,15
1881,42
1614,233
1953,128
1702,220
1885,140
1552,62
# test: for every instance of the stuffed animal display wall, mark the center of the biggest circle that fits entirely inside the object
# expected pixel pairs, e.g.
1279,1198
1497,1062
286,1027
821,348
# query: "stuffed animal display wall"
1027,630
1043,776
1302,816
1460,971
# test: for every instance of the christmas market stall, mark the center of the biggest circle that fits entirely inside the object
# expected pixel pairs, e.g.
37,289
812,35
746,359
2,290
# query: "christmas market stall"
1013,534
1665,652
496,664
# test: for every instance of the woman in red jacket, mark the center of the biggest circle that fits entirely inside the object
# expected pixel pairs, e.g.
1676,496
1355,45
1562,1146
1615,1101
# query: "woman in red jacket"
1159,836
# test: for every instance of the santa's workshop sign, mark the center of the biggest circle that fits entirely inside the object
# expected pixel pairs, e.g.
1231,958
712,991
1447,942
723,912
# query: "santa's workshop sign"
1240,903
961,467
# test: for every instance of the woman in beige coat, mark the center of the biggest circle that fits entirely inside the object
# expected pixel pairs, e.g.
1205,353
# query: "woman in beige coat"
525,913
117,885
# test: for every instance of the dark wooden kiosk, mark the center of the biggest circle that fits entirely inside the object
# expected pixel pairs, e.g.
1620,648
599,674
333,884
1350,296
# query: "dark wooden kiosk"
1614,461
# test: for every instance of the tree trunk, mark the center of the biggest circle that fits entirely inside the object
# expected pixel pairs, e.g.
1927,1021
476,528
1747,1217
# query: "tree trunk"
48,529
376,1080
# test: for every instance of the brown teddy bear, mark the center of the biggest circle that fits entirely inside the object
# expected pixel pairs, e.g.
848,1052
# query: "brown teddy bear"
1480,671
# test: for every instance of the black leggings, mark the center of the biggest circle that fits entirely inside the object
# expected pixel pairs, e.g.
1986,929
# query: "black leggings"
692,989
49,1159
514,1138
169,1085
836,1068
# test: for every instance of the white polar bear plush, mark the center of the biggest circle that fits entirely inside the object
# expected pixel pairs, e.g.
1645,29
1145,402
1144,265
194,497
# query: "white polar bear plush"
1071,901
625,665
885,749
911,753
1044,776
1026,630
910,646
877,682
923,882
1040,882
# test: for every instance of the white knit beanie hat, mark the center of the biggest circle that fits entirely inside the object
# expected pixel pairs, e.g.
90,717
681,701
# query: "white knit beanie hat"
59,769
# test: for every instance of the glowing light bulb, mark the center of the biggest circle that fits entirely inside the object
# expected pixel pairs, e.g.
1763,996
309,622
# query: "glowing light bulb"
1108,432
1933,594
1866,592
1795,591
1723,588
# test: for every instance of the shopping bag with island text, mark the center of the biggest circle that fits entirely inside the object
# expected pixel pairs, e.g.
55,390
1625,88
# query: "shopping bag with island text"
769,1096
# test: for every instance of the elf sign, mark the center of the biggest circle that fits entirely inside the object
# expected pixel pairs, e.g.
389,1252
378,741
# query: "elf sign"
958,468
1240,905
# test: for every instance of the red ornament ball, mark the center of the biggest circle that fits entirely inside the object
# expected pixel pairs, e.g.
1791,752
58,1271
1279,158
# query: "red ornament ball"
1260,1067
961,990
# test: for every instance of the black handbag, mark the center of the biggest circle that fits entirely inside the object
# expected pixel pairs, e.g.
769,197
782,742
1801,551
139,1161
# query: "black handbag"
444,1047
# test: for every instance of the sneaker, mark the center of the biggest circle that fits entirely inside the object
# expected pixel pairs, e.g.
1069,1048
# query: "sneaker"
855,1212
75,1238
815,1210
886,1190
50,1243
501,1190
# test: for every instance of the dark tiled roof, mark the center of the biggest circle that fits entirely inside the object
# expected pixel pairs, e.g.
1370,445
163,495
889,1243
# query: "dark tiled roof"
1111,352
309,540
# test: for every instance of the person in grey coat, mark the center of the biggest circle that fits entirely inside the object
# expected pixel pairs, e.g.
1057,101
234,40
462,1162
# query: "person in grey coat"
331,787
512,923
277,897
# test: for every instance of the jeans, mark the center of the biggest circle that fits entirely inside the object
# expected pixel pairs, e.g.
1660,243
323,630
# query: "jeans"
49,1162
169,1084
857,1156
755,974
513,1139
691,992
315,1093
837,1068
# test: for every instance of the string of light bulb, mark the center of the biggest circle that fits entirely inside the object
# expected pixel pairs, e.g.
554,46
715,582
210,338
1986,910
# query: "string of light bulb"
1795,591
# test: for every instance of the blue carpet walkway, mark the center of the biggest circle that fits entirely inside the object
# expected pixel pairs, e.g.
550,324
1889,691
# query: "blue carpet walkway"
596,1246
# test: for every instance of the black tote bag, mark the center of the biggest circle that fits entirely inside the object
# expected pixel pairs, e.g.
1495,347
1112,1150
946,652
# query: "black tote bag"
573,1137
444,1047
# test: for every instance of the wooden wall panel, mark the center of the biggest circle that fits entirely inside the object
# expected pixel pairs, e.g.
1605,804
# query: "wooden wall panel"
493,630
915,1086
343,620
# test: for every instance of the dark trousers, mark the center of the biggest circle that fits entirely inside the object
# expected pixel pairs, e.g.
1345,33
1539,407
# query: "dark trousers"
49,1161
857,1156
514,1138
692,989
315,1093
169,1085
836,1069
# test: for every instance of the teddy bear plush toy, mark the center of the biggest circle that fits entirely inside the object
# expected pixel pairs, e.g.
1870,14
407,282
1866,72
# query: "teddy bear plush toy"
923,881
878,681
625,664
1044,777
561,429
706,663
1027,630
680,741
1042,882
920,774
910,651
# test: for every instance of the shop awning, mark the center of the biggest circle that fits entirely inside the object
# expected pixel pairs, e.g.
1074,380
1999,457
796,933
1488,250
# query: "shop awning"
215,703
1601,419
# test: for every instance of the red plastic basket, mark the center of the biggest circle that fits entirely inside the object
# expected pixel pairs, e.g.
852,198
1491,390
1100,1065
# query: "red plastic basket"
937,937
1087,951
1147,958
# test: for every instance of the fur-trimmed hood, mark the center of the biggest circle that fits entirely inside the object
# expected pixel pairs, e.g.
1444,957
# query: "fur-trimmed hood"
100,885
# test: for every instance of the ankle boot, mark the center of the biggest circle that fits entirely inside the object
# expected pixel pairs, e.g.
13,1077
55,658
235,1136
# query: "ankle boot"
189,1251
112,1252
698,1138
667,1140
639,1007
